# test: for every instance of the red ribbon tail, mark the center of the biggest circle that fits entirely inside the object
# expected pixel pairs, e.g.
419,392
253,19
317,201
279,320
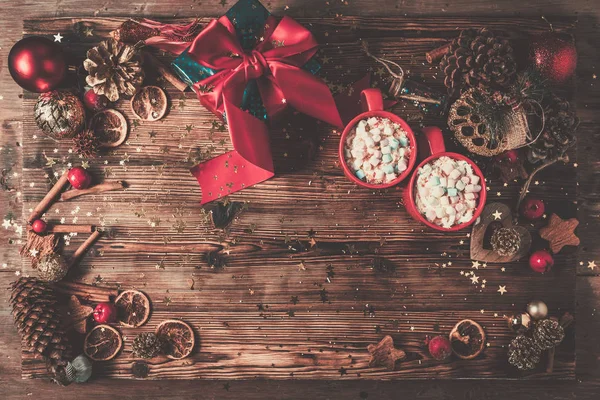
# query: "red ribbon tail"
248,164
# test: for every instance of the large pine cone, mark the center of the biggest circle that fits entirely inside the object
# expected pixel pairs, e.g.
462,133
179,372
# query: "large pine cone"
35,311
478,58
59,114
548,333
114,69
523,353
558,135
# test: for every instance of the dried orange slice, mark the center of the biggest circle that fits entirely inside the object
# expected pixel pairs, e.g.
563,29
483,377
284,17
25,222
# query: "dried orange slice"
133,308
149,103
103,343
110,127
178,338
467,339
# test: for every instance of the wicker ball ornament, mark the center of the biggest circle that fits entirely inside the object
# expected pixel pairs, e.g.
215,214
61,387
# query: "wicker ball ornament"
474,130
59,114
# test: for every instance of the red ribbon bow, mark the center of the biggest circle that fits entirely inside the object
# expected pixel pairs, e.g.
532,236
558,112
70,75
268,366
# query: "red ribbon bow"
275,64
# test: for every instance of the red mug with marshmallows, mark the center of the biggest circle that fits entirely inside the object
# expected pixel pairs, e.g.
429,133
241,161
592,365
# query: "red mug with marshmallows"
372,105
434,140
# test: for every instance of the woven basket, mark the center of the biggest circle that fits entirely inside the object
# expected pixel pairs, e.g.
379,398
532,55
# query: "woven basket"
473,132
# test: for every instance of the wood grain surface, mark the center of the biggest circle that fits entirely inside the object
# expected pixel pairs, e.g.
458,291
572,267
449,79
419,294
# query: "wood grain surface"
263,261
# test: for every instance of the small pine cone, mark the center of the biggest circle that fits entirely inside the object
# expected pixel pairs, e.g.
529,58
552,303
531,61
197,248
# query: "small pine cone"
505,241
86,144
147,345
523,353
548,333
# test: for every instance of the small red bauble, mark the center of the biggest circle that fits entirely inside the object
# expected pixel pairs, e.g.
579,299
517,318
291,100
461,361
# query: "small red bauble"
105,313
440,348
95,102
532,208
541,261
39,226
37,64
79,178
554,56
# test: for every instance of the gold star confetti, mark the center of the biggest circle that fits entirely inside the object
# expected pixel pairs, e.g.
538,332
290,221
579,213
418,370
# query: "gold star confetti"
497,215
502,290
474,279
475,264
88,31
591,265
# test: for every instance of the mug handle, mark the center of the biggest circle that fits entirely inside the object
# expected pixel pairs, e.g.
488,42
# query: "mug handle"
371,100
432,142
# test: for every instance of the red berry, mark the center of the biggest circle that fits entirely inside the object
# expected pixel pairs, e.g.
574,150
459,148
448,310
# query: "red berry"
39,226
79,178
510,156
440,348
532,208
95,102
105,313
541,261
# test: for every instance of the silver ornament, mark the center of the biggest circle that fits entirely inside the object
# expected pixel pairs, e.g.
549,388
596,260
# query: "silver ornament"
79,370
537,309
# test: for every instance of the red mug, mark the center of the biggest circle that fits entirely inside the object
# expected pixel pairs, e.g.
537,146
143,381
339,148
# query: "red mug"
435,141
372,105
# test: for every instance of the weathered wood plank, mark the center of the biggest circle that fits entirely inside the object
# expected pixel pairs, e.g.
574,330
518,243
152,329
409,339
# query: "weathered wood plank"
157,222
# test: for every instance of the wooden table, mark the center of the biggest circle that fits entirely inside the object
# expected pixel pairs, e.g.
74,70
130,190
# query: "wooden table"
244,314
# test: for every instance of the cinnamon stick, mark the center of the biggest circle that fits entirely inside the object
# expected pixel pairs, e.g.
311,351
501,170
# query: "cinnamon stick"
165,72
79,253
91,293
49,198
436,55
102,187
65,228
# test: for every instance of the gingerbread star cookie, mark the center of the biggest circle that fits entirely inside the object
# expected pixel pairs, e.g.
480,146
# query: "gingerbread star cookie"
384,354
560,233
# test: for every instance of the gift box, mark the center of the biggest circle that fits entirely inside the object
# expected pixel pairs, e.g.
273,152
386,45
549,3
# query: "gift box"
249,18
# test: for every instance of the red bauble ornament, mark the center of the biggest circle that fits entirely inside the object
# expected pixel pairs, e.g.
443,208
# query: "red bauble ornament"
541,261
105,313
440,347
532,208
39,226
95,102
79,178
554,56
37,64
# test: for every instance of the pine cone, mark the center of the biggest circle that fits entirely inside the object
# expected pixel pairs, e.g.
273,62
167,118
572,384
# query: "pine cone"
548,333
86,144
114,68
559,128
505,241
147,345
478,58
34,309
523,353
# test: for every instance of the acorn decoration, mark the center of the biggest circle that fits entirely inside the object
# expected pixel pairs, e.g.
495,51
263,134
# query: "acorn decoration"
477,57
59,114
52,268
86,144
147,345
505,241
523,353
114,69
